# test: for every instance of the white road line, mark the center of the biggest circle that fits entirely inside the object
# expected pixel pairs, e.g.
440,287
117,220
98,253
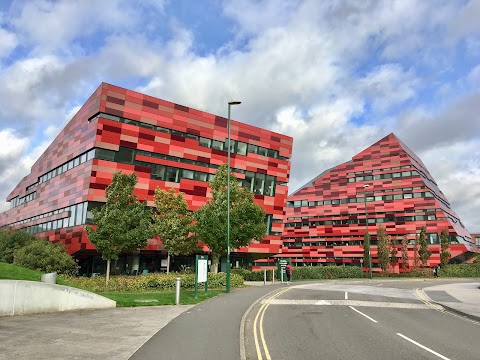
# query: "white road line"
346,295
368,317
357,303
423,347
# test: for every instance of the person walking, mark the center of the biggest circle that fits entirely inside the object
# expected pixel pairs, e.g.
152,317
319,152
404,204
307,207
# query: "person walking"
435,271
288,271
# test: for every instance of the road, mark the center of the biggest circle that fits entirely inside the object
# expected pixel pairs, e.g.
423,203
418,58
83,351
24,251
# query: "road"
355,320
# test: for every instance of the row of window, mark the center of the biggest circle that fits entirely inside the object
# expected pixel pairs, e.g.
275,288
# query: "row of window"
236,147
398,219
350,214
19,201
257,183
394,175
67,166
381,170
302,203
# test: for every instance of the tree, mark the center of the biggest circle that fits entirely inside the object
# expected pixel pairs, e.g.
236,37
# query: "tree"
404,253
12,240
393,254
42,255
424,253
173,222
247,218
366,251
416,259
445,245
123,223
383,248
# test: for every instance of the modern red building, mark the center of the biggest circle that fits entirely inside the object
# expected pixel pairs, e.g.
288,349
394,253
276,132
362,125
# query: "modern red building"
168,145
386,184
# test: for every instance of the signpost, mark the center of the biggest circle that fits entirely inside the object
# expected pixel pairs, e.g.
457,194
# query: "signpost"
201,272
281,268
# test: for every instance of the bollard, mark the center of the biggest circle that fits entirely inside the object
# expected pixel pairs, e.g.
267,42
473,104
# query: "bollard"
273,276
177,295
264,276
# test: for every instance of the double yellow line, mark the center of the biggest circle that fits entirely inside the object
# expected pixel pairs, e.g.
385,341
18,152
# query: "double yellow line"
260,314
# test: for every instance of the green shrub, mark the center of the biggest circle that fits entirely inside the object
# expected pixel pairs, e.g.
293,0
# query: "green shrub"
150,282
460,270
421,272
12,240
326,272
249,275
44,256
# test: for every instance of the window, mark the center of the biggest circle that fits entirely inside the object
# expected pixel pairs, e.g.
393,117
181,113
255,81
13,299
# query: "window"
171,174
248,182
269,185
125,155
187,174
218,145
205,142
259,184
241,148
200,176
252,148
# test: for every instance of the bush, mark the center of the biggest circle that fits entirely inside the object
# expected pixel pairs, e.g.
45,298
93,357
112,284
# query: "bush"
249,275
150,282
12,240
460,270
421,272
44,256
326,272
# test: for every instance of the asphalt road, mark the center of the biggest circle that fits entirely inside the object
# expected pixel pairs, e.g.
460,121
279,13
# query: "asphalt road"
352,320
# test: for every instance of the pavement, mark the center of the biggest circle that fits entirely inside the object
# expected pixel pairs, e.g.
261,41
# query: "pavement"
122,333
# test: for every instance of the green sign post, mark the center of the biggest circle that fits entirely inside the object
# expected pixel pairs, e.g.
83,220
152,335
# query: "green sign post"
201,272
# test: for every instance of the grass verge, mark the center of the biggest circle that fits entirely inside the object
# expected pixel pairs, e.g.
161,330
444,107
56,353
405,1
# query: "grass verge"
187,297
13,272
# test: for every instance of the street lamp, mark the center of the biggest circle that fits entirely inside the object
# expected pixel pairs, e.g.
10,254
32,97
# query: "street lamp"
366,231
228,196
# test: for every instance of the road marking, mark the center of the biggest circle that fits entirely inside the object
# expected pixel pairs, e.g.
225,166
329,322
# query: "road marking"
424,297
261,313
346,295
423,347
368,317
375,304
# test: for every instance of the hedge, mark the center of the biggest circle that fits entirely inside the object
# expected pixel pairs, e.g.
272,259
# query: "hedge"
307,273
150,282
460,270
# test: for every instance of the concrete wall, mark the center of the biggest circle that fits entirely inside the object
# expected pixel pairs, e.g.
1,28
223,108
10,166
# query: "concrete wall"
29,297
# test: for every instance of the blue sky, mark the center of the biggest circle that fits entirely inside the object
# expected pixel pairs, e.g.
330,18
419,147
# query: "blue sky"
337,75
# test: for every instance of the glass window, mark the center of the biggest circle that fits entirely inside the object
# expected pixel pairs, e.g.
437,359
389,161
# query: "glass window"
217,145
304,202
327,202
398,196
259,184
406,173
262,151
187,174
248,182
158,172
335,202
79,214
396,175
272,153
105,154
125,155
407,196
205,142
241,148
200,176
388,197
76,161
73,212
370,198
428,194
378,198
297,203
351,179
376,177
232,145
417,195
171,174
70,165
270,186
252,148
83,158
369,177
91,154
387,176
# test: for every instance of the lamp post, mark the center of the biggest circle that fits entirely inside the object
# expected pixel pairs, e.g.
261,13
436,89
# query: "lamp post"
228,196
366,231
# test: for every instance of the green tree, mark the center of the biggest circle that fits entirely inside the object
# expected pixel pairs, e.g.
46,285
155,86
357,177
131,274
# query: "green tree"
42,255
423,252
123,223
366,251
11,240
247,218
393,254
404,253
383,248
416,258
445,245
173,222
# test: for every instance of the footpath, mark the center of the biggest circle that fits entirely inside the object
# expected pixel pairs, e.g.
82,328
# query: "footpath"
124,333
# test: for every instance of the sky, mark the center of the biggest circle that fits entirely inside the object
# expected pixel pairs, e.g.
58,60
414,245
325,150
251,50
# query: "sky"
337,76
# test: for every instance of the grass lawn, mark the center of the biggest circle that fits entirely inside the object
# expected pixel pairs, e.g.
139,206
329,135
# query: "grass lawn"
14,272
187,297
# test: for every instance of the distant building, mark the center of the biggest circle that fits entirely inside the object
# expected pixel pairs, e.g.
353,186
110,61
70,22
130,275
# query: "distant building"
167,145
386,183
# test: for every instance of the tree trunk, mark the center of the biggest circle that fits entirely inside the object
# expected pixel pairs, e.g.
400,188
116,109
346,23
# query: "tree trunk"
168,262
214,267
107,277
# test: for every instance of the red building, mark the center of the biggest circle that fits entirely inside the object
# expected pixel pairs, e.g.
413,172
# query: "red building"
167,145
386,184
